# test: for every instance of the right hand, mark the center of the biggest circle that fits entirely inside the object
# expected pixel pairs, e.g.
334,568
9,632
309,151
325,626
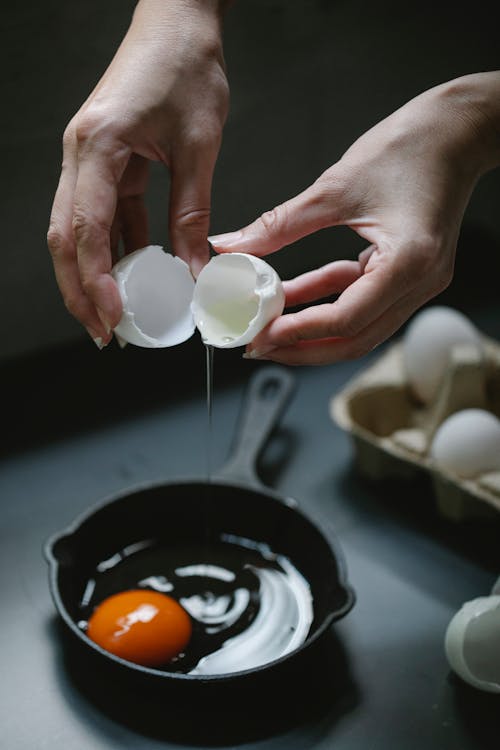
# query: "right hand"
403,187
164,97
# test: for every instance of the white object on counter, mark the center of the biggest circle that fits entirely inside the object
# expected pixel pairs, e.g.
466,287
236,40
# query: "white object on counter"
427,344
472,643
467,443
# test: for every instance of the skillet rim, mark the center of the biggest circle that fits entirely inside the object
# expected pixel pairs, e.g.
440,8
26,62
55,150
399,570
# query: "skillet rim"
312,518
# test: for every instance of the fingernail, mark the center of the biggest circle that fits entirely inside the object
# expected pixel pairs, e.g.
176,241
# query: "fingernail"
98,341
258,353
121,342
226,240
104,321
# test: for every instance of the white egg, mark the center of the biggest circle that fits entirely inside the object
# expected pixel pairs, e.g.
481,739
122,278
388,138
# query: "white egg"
427,344
472,643
467,443
156,290
235,297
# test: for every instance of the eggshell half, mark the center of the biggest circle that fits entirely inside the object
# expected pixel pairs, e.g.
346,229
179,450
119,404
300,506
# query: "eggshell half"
235,297
472,643
156,290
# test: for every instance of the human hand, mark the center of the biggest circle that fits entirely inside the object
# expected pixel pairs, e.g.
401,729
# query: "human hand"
403,186
164,97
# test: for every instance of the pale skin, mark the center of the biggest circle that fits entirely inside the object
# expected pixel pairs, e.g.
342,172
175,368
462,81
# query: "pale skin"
164,98
403,186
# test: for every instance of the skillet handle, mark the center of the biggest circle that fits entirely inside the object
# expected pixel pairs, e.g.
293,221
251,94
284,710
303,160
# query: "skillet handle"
267,395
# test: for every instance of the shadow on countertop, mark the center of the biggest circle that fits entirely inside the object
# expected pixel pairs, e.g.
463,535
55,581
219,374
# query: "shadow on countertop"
319,691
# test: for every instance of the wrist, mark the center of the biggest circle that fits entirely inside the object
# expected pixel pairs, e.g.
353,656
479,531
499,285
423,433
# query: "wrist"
474,100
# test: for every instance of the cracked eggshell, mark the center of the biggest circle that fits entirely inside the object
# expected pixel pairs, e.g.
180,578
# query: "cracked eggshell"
235,297
156,290
427,343
472,643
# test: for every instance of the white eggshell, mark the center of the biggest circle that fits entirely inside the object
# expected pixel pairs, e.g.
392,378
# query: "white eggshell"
156,290
427,344
235,297
467,443
472,643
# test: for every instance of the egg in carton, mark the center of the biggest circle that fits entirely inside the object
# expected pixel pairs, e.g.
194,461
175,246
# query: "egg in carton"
429,406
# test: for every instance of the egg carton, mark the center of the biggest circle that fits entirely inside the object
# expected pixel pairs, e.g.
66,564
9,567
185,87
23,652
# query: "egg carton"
392,433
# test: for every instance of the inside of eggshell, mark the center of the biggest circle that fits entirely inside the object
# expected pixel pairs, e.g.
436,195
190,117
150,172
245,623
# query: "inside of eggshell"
228,299
481,649
158,314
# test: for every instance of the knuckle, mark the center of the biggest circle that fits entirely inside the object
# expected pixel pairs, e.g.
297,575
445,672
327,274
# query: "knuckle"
204,131
88,285
69,135
79,224
96,125
428,260
192,218
331,192
85,128
205,136
56,240
274,220
87,227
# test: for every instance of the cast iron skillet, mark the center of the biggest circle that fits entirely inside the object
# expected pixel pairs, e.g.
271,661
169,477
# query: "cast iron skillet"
187,511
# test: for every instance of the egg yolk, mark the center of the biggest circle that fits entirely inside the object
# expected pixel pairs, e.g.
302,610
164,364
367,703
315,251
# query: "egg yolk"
141,626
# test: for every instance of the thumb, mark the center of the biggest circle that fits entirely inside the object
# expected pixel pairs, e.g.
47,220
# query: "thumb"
304,214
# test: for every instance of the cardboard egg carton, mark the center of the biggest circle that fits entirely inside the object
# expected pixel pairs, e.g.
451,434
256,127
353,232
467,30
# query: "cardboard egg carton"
392,432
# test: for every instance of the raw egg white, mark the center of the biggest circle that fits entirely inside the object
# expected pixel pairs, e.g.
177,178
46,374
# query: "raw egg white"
144,627
472,643
427,345
467,443
156,290
235,297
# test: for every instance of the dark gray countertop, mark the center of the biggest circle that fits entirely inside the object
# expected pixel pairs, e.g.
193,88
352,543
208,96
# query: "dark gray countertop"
68,444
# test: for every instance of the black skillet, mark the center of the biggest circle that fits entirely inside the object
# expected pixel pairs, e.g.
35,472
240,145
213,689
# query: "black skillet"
190,513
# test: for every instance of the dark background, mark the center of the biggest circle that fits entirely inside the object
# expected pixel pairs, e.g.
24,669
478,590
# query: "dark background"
306,78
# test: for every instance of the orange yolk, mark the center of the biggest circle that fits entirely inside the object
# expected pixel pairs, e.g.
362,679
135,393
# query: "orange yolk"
144,627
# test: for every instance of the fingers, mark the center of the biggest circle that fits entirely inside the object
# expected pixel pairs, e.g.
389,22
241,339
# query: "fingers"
362,302
321,282
190,199
328,351
305,213
349,327
62,246
94,207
